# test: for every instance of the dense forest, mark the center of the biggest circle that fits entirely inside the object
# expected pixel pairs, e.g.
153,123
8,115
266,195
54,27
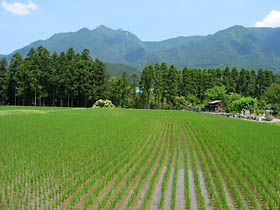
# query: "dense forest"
75,79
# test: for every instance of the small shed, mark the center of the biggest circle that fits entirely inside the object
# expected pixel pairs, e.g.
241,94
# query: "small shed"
214,106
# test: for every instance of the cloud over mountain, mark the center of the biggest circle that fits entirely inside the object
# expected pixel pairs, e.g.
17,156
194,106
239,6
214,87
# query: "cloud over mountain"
19,8
271,20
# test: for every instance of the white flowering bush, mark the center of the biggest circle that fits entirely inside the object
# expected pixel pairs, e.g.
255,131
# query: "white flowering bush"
103,104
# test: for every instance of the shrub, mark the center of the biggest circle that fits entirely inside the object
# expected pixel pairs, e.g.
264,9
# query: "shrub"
268,117
180,103
103,104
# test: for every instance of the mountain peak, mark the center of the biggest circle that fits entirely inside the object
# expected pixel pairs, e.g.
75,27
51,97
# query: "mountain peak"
85,29
103,28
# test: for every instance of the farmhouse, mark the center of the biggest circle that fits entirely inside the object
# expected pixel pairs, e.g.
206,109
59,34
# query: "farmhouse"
214,106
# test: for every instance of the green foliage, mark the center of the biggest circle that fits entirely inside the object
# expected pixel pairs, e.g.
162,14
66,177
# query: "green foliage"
146,83
180,103
216,93
119,91
245,103
103,104
173,86
116,70
272,97
268,117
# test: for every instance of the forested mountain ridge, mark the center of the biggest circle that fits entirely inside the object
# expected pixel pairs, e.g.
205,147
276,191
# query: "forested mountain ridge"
252,48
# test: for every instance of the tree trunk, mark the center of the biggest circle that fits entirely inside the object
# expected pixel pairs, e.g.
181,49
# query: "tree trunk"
149,103
162,101
72,101
60,102
15,97
35,98
68,99
53,98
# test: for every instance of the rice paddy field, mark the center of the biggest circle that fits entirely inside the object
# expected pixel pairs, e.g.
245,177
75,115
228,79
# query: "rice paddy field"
60,158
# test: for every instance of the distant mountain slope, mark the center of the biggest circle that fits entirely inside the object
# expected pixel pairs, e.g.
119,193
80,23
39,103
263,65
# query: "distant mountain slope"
252,48
115,70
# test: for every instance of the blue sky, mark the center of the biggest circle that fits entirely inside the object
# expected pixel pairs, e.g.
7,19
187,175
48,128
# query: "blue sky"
25,21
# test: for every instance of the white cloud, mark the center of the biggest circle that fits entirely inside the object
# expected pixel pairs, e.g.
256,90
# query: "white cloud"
19,8
271,20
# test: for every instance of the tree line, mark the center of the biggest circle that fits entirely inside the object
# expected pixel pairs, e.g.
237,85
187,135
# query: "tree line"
67,79
166,84
75,79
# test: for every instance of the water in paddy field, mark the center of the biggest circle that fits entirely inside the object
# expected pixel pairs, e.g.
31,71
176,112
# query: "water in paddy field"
180,200
167,199
157,192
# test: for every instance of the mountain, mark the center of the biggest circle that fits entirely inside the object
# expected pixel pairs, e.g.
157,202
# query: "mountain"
115,70
252,48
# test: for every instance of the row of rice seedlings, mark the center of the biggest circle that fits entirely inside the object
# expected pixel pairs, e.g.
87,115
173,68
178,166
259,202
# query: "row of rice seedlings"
116,199
208,167
156,158
113,168
186,169
167,172
64,189
196,176
226,170
99,168
120,177
39,187
92,197
155,175
246,175
264,178
269,197
175,176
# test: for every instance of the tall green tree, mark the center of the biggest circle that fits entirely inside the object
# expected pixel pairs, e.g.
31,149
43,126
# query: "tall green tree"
244,82
16,61
164,73
261,82
133,102
120,89
227,80
158,84
146,84
3,80
235,80
172,91
100,79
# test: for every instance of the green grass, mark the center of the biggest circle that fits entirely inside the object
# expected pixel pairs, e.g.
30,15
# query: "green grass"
69,157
